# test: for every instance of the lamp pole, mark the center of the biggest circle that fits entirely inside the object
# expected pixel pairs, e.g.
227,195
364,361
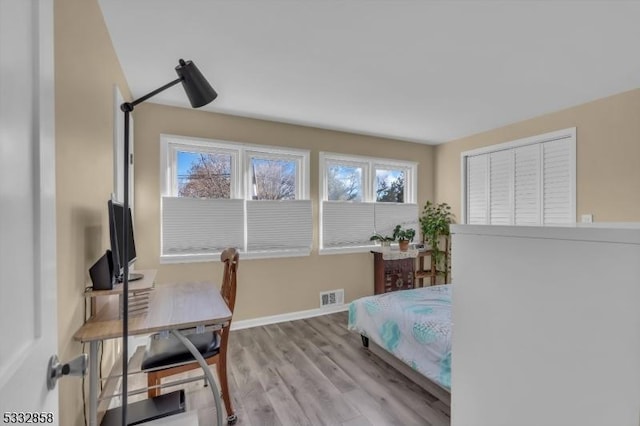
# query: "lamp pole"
200,93
125,255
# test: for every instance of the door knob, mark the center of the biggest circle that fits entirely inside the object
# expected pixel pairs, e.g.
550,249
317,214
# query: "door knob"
76,367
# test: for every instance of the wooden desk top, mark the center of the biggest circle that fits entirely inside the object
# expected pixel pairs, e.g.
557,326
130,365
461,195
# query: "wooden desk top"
171,306
144,284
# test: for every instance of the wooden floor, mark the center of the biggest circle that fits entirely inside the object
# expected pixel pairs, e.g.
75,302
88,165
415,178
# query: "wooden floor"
314,372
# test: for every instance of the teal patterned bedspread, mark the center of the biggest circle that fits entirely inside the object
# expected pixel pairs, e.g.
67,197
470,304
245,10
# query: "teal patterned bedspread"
414,325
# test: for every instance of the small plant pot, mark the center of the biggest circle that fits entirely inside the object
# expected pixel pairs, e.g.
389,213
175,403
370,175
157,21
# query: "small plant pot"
404,245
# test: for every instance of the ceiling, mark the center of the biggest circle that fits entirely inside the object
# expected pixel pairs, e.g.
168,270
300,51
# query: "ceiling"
423,71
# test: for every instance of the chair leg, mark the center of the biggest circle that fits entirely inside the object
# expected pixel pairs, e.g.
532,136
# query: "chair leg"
152,381
224,389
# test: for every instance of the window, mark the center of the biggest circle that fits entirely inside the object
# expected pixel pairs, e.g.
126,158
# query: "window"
273,177
390,185
218,194
361,196
203,174
530,181
344,181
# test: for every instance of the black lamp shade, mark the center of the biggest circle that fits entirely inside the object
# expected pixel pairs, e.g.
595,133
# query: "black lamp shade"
197,87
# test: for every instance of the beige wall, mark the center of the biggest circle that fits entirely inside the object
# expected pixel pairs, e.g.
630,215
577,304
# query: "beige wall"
608,150
86,70
270,286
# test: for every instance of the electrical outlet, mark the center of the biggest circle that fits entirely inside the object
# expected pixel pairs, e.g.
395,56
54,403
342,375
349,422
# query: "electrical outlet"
587,218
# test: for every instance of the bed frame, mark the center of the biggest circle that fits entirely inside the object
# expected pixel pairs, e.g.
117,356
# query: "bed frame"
428,385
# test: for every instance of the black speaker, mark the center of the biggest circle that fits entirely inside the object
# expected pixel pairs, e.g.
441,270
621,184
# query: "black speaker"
101,273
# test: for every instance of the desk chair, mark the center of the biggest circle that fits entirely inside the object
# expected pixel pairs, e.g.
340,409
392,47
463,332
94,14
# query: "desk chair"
212,345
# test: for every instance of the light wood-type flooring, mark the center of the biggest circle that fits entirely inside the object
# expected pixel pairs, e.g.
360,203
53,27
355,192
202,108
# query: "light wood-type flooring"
312,372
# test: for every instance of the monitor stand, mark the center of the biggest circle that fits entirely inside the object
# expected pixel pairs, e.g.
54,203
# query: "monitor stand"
133,276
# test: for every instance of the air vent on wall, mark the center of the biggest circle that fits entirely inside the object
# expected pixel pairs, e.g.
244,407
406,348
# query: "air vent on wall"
331,298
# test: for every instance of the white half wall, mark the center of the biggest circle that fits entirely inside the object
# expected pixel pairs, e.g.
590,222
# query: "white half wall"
546,326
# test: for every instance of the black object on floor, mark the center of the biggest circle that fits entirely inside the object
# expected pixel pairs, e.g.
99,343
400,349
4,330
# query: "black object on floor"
147,409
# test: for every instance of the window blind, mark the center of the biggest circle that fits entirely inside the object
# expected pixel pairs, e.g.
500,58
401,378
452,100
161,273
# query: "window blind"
388,215
198,226
347,224
279,225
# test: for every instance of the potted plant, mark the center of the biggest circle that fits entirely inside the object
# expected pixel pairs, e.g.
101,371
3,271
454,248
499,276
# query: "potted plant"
384,240
434,223
404,236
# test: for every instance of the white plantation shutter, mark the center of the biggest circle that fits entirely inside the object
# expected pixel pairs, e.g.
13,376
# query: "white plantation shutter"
198,226
279,225
388,215
557,182
528,182
500,187
347,224
477,190
527,185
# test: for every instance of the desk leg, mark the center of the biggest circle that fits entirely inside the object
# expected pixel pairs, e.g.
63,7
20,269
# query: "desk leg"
207,372
93,383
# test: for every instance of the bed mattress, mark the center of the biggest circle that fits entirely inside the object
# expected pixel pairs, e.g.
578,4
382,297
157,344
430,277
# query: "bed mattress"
413,325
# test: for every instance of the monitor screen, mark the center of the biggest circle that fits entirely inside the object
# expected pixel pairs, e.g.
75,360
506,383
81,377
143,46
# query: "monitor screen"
116,233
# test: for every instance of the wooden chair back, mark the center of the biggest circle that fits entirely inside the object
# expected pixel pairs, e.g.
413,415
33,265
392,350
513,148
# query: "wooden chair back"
230,258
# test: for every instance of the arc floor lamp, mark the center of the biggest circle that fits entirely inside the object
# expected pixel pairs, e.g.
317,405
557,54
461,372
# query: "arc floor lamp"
200,93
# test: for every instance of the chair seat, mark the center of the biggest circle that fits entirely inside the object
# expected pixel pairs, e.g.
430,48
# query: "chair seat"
161,352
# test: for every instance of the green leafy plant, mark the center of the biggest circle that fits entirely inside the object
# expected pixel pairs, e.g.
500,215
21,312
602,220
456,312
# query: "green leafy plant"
403,234
434,223
382,238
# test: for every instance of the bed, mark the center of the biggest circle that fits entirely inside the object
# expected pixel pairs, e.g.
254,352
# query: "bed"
413,325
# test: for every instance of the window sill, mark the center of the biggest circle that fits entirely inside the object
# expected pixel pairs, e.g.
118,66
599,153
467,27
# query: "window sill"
167,259
346,250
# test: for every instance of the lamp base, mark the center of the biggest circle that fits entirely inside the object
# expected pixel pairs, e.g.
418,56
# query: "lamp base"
147,409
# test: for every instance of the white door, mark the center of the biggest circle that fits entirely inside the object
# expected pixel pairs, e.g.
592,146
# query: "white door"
28,322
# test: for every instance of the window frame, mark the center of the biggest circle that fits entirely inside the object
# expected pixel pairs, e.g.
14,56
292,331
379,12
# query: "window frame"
568,133
240,162
302,168
409,183
241,185
369,165
174,148
349,163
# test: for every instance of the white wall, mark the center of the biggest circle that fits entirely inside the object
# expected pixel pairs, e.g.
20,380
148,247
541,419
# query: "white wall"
546,326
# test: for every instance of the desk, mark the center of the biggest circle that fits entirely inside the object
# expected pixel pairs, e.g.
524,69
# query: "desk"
172,307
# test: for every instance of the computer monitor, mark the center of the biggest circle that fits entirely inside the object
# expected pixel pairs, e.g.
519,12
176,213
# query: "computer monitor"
116,233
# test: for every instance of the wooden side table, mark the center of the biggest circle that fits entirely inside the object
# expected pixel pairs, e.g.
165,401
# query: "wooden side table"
397,273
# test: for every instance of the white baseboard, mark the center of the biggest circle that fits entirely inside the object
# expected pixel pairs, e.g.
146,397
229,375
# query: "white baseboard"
290,316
